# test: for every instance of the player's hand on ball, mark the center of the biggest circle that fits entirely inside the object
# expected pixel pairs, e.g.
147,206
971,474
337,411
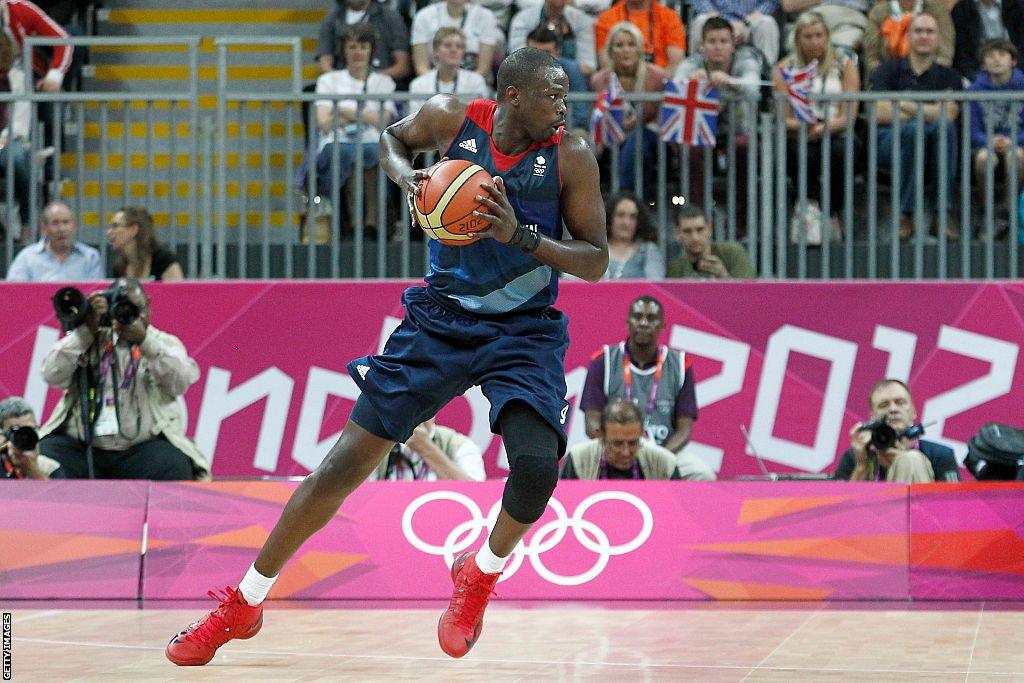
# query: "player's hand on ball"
499,212
412,183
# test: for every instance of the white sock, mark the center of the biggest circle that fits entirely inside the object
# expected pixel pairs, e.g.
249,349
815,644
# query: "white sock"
254,586
488,562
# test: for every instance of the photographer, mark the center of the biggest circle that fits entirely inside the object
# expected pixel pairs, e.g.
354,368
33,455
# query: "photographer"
122,378
906,460
432,453
19,452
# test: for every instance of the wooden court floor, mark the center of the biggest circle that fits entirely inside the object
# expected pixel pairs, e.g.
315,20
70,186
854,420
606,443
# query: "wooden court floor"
974,642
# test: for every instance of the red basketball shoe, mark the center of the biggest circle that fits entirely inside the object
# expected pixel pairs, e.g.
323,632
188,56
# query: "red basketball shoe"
233,618
463,621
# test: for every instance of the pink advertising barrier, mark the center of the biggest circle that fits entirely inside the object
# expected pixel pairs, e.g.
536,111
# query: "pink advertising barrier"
648,540
792,361
71,539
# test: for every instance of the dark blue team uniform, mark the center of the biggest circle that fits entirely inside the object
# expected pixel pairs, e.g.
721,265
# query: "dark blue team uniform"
485,316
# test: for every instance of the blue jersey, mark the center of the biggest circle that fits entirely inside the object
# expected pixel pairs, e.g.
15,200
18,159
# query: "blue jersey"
487,276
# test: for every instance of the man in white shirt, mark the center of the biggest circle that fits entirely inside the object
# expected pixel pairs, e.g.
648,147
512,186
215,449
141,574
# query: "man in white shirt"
573,27
447,77
478,24
58,257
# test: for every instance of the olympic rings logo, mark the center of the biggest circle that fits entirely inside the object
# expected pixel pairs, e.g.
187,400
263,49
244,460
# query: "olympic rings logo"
467,534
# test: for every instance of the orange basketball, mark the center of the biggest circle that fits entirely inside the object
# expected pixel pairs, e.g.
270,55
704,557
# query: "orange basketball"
444,207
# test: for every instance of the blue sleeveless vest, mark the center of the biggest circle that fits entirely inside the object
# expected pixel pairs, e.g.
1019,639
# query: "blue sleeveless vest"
488,277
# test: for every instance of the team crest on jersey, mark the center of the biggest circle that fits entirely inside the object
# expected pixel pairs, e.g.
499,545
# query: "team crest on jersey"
539,166
469,145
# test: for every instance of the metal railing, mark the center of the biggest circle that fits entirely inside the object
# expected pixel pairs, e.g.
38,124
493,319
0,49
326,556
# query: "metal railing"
227,196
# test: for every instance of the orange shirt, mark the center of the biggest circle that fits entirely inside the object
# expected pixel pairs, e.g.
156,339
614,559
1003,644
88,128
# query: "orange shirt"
660,26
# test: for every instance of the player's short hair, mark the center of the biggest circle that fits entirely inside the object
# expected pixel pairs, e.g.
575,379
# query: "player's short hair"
446,32
620,411
14,406
716,24
524,67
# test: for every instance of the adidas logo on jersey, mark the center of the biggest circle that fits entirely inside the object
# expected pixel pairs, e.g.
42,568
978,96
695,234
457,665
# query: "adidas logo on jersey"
469,145
362,370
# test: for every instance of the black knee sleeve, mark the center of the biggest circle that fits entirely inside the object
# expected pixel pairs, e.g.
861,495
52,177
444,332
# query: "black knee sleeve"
532,446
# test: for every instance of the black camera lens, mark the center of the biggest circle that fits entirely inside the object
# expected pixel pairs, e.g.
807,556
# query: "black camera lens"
22,437
71,307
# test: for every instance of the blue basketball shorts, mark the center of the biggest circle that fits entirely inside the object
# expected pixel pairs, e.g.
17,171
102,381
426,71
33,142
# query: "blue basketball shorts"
439,351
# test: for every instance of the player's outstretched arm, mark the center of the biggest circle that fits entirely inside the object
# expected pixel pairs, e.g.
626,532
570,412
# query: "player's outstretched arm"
432,128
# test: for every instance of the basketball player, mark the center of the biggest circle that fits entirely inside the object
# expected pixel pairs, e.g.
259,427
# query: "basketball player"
484,317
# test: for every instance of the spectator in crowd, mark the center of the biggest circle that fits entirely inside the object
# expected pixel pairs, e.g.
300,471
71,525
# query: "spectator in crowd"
730,68
736,72
999,74
26,463
633,251
592,7
449,47
72,16
22,19
134,375
753,21
135,249
390,51
702,257
846,19
573,30
661,37
432,453
918,71
888,33
908,461
836,73
58,256
14,152
543,38
658,379
623,53
478,24
352,130
620,451
978,21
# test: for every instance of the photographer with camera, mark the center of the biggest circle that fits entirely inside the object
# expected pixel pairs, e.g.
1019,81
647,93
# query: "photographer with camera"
19,438
432,453
119,417
888,448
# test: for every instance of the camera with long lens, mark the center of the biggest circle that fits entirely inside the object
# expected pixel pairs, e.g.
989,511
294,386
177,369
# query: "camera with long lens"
72,307
22,437
884,436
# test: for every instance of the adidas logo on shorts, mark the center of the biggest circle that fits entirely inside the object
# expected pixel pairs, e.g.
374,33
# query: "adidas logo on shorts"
362,370
469,145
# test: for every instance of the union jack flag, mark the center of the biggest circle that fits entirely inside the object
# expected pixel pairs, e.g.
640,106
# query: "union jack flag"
689,113
798,85
606,123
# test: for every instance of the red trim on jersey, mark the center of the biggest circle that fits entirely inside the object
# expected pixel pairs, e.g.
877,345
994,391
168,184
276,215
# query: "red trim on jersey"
481,112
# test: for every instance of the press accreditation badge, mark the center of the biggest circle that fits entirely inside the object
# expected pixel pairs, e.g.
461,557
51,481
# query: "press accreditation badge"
106,424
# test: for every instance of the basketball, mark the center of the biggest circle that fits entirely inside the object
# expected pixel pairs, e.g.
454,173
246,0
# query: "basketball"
444,207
